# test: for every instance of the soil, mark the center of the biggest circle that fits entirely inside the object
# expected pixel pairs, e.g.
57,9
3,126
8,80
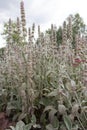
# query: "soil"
5,121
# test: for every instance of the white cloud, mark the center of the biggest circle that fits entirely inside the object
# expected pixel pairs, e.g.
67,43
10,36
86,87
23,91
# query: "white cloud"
44,12
2,41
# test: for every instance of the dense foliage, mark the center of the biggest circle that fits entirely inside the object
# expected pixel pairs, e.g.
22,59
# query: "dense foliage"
43,86
78,27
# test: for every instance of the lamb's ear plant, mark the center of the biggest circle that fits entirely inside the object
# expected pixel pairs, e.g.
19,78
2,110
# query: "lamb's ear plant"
20,126
42,85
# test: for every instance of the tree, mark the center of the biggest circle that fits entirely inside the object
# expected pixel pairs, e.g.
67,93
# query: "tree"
59,35
78,24
78,27
2,53
13,33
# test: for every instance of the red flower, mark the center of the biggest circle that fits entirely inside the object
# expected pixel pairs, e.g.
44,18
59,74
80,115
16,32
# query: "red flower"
78,60
83,60
75,64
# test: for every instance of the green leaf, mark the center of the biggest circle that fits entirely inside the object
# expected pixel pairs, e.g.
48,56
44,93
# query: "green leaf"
48,108
22,116
53,94
45,101
67,122
52,115
43,118
33,119
62,127
36,126
49,127
55,123
20,125
12,128
28,127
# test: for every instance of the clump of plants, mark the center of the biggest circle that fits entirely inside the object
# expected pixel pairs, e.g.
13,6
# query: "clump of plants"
43,86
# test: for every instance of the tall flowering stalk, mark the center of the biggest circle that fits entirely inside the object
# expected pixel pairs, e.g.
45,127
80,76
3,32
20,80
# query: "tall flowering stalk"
64,33
18,26
9,31
70,29
23,20
36,73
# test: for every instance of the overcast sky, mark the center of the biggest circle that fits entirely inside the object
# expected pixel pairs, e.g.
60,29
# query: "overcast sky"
42,12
